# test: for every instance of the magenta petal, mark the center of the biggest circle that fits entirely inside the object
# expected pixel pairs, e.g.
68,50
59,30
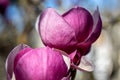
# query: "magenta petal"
10,60
20,54
84,49
66,57
55,31
96,28
67,77
81,21
41,64
72,55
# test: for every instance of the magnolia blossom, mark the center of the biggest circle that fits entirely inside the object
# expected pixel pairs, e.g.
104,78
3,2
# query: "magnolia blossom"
70,34
3,5
36,64
73,32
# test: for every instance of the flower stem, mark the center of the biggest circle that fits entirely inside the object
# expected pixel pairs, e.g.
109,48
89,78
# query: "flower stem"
73,73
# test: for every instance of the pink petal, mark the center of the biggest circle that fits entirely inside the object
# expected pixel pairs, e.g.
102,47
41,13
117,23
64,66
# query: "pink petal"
67,77
84,49
41,64
20,54
96,29
72,55
10,59
66,57
75,57
55,31
81,21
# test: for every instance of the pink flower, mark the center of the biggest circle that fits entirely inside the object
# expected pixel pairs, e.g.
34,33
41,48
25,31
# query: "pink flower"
72,32
36,64
3,5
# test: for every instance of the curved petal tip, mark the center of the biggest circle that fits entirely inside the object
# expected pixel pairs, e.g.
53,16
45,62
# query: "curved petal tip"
97,27
37,23
10,60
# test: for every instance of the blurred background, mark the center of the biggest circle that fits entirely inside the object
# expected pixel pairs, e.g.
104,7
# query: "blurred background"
17,25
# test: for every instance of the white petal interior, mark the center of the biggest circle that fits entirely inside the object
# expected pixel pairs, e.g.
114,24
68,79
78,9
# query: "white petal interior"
67,61
37,23
86,64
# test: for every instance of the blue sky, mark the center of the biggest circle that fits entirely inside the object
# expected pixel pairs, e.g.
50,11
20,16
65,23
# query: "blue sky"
103,4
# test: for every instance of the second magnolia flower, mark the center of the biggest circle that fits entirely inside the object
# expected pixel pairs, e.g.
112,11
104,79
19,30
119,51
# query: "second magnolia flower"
75,30
36,64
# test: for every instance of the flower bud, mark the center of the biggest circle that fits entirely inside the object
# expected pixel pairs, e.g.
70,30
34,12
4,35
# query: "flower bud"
76,29
36,64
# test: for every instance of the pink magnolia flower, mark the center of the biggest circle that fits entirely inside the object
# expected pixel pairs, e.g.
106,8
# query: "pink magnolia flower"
36,64
3,5
72,32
